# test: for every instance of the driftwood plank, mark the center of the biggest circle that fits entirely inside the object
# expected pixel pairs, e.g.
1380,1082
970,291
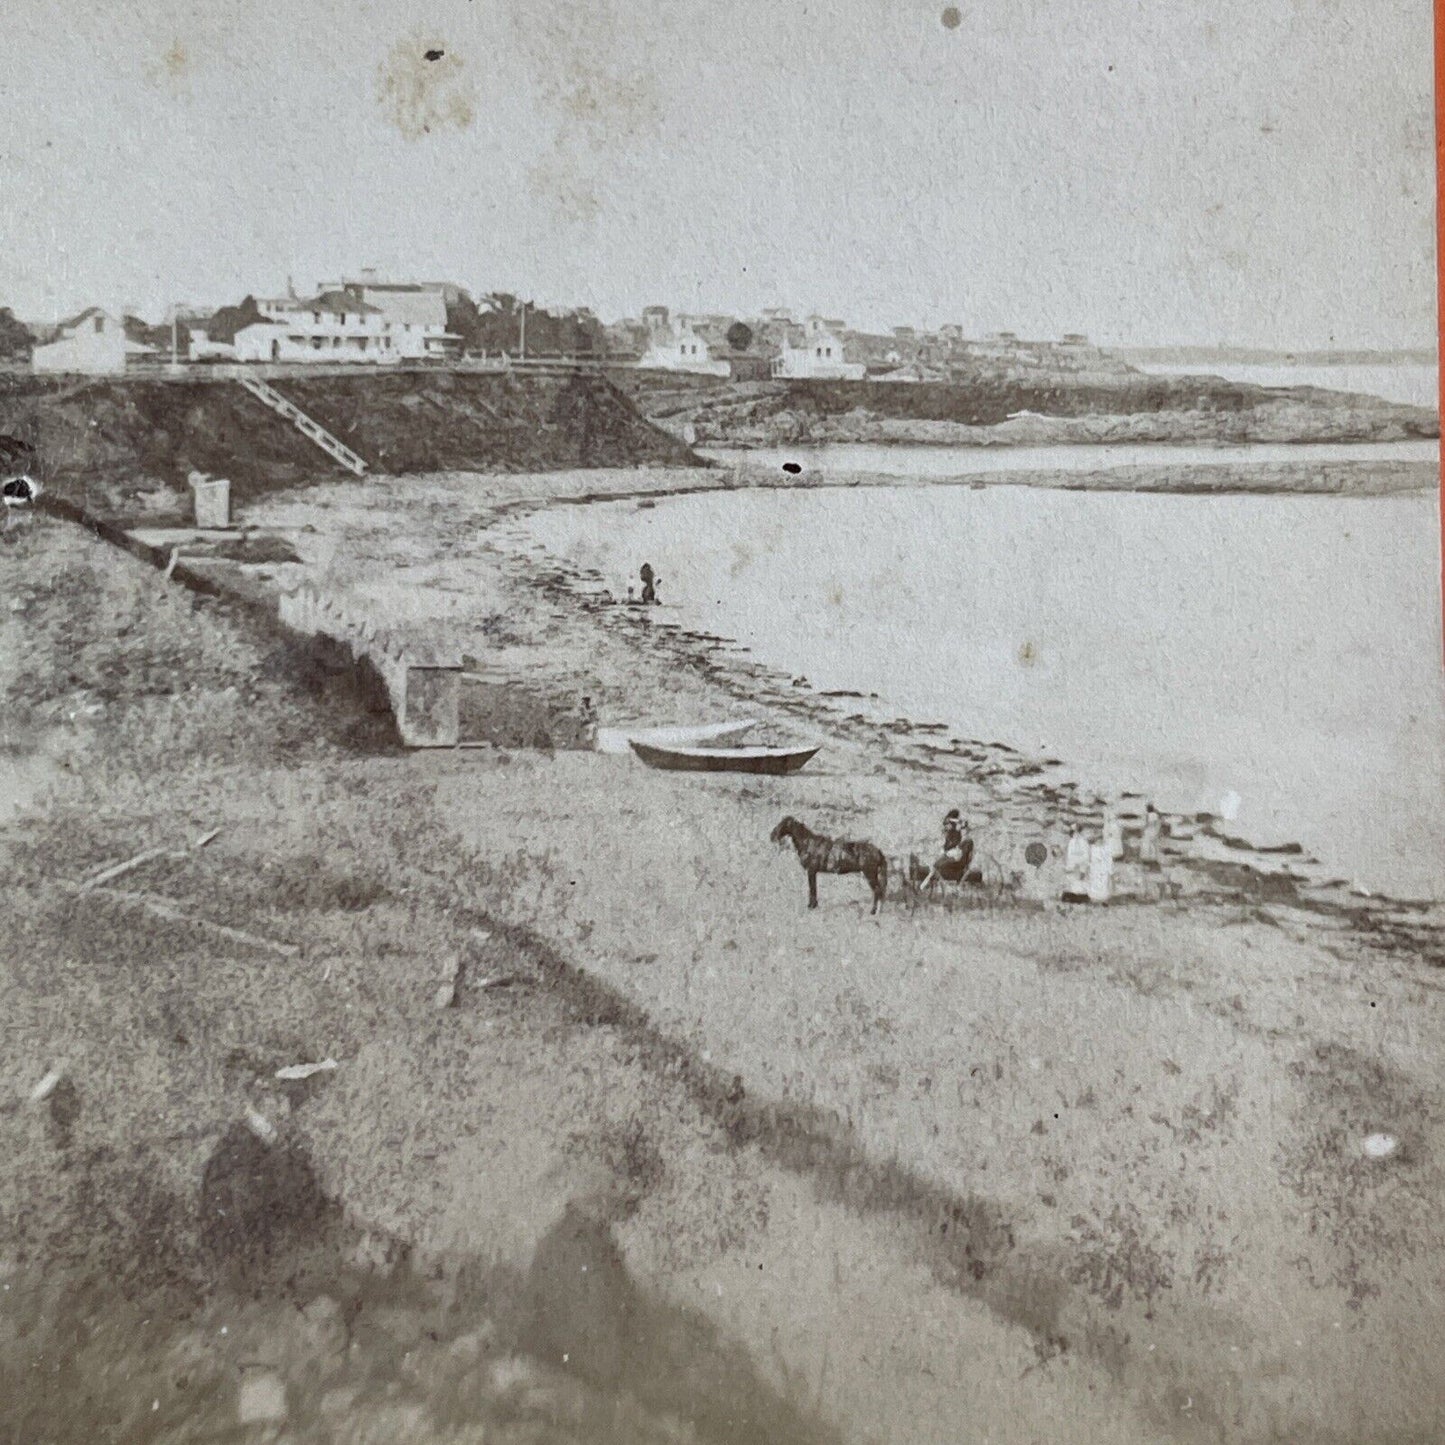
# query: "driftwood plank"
172,912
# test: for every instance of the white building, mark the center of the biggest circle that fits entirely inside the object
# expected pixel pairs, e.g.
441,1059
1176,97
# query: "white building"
817,357
417,312
94,341
680,348
202,346
334,327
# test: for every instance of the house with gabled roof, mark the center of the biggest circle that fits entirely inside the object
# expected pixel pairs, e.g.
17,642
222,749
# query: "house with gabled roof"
334,327
681,348
417,311
95,341
815,352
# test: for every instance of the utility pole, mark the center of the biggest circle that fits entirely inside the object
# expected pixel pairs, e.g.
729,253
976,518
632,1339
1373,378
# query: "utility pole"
175,354
523,347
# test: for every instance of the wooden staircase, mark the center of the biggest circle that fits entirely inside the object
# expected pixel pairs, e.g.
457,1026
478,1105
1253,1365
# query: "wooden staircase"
337,450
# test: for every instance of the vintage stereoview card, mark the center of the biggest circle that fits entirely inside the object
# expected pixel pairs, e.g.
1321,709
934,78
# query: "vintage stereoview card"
722,723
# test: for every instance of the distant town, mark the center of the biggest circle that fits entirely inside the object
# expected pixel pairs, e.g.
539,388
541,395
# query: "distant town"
370,320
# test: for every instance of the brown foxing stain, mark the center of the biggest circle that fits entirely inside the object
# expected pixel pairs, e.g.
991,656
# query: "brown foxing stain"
1028,654
564,180
606,105
172,69
741,561
602,94
602,101
423,87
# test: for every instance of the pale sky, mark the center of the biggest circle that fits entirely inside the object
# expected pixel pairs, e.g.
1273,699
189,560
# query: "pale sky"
1251,172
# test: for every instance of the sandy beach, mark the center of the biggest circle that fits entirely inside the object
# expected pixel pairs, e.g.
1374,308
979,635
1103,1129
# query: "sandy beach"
990,1168
1004,1052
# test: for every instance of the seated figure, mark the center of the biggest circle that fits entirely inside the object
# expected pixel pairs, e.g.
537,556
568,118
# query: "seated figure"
957,857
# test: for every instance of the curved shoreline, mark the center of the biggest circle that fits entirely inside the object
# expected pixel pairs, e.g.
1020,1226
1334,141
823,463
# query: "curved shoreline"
1352,478
1226,866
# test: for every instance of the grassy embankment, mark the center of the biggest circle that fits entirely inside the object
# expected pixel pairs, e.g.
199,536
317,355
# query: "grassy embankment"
153,1244
528,1216
125,447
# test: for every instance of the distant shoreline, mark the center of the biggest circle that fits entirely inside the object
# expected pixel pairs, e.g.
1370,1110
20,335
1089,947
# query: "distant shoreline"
1246,356
1337,479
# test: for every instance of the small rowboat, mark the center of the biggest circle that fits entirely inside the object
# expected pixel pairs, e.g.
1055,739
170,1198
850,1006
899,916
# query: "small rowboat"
723,760
619,740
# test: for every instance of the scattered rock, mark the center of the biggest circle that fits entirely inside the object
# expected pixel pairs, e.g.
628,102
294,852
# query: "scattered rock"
449,990
337,1402
469,1349
1380,1146
305,1071
262,1398
43,1090
376,1251
260,1126
322,1333
400,1328
391,1424
529,1388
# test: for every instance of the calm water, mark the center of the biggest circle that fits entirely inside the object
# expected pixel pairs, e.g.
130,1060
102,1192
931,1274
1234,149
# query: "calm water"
889,459
1284,649
1399,381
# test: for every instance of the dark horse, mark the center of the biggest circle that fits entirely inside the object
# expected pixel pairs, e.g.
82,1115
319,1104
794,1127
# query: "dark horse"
818,855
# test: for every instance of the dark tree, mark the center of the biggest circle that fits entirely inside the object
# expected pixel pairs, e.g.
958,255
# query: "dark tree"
463,318
500,327
16,342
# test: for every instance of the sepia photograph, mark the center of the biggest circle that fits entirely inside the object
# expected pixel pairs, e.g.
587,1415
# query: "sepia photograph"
723,724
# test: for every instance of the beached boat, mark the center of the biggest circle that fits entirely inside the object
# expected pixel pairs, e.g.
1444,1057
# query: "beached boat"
723,760
619,740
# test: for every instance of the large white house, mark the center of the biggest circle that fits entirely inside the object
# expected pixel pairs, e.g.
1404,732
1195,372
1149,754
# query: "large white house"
680,348
416,311
816,356
334,327
94,341
350,321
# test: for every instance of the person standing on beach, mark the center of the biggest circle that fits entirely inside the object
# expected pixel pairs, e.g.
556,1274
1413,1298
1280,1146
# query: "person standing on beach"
650,581
1076,866
1113,831
1149,839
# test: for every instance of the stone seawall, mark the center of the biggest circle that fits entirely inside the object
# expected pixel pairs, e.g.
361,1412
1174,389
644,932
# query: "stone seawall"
422,685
